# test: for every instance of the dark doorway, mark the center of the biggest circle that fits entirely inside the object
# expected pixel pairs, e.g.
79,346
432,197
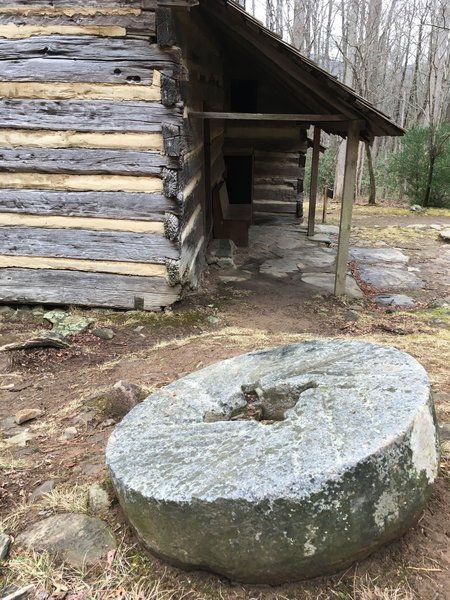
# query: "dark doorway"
239,179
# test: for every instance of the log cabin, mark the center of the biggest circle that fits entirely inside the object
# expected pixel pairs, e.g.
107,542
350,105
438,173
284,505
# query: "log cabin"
132,132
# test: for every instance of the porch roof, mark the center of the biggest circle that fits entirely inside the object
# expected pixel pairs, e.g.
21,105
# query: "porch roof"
318,92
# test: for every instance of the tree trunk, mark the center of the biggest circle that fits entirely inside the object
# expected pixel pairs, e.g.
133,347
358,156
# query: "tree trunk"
372,182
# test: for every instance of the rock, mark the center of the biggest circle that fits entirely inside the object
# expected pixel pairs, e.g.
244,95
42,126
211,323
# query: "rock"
5,542
42,489
321,238
329,229
349,468
316,258
416,208
122,398
325,281
69,434
352,315
221,253
27,414
65,324
389,278
139,329
99,501
374,256
76,539
279,267
103,333
21,439
445,235
444,431
394,301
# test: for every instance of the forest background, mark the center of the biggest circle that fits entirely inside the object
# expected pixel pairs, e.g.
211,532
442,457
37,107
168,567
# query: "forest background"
395,53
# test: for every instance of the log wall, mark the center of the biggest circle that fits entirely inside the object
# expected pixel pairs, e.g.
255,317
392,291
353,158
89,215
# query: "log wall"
203,89
279,167
90,143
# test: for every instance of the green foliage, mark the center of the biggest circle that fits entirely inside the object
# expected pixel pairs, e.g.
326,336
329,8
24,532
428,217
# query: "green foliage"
422,165
327,168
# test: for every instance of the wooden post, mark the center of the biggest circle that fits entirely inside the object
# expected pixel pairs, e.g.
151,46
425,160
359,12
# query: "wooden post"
314,180
351,159
207,207
325,202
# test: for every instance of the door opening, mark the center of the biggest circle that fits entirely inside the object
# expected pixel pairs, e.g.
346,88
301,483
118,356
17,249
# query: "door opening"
239,178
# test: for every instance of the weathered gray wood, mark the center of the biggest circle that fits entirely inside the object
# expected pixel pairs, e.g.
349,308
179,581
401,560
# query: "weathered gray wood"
86,47
275,207
170,90
277,169
275,192
351,160
174,139
98,71
83,160
86,244
165,27
85,289
314,182
147,4
110,205
237,116
142,23
94,115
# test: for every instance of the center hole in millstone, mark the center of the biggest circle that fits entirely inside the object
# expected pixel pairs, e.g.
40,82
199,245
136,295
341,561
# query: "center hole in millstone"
269,405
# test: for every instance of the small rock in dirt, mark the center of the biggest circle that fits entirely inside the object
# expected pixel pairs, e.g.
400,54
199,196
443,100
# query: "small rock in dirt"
107,423
444,431
394,301
445,235
86,417
27,414
76,539
65,324
122,398
42,489
69,434
99,501
91,469
351,315
416,208
8,423
5,542
104,333
213,320
20,439
139,329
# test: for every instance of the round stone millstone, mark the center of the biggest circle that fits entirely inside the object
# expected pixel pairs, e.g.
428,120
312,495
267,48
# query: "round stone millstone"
349,468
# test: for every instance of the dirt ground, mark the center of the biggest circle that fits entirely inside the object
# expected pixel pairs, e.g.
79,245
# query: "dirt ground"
222,320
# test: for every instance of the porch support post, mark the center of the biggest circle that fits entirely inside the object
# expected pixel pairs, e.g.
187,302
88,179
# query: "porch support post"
314,181
351,159
207,198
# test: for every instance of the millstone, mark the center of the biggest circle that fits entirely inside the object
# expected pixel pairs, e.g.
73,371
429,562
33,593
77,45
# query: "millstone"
341,461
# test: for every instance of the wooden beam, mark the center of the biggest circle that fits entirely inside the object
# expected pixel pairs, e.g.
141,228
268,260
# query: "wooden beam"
351,160
237,116
314,181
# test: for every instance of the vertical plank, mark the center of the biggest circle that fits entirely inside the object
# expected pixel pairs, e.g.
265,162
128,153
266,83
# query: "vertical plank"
325,202
314,180
207,208
351,159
